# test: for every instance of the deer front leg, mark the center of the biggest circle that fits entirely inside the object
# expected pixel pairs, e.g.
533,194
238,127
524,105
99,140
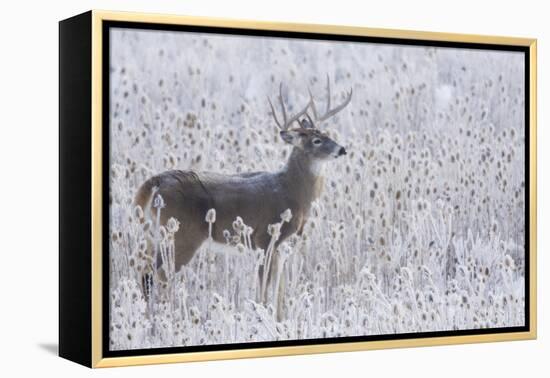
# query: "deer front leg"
261,240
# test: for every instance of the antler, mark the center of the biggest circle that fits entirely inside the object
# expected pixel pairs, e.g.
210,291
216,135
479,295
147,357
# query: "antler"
286,121
329,112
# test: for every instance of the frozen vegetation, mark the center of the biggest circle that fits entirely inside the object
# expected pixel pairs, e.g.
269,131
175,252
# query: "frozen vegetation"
420,226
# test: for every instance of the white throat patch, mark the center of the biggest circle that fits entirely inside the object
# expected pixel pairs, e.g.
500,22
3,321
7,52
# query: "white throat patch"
317,167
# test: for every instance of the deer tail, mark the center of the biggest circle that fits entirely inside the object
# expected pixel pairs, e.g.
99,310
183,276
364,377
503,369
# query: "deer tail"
145,193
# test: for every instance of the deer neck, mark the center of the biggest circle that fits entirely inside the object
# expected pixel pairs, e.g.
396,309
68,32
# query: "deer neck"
304,176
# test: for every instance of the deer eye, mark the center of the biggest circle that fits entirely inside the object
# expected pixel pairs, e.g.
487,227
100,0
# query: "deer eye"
317,141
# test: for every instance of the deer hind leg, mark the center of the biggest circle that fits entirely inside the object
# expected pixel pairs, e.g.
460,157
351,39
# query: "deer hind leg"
151,275
145,270
187,241
155,278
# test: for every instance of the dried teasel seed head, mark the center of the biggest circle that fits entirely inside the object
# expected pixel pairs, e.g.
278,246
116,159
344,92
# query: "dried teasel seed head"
226,235
210,216
274,229
163,232
286,216
238,225
146,226
138,212
172,225
142,247
158,202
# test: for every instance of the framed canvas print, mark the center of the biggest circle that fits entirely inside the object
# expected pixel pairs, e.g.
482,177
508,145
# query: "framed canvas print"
235,189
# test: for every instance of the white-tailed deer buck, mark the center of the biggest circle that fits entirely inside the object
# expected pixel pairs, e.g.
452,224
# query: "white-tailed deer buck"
258,198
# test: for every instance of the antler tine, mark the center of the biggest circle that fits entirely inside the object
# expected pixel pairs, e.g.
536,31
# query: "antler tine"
299,114
328,95
274,114
286,121
283,105
338,108
310,123
329,112
312,102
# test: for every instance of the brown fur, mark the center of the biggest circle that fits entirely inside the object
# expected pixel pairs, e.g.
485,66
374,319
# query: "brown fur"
259,198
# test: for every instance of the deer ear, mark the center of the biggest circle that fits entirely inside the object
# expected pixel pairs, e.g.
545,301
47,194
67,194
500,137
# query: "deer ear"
290,136
307,123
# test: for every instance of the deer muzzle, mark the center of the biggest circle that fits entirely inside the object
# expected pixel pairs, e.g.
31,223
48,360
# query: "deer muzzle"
341,151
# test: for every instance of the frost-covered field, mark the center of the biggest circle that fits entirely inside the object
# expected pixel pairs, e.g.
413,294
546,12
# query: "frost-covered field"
420,226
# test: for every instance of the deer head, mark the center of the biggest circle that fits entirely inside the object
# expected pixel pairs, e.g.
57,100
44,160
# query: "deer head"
306,137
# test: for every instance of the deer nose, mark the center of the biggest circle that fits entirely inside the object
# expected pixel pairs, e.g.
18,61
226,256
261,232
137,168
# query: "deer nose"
342,151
